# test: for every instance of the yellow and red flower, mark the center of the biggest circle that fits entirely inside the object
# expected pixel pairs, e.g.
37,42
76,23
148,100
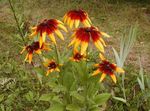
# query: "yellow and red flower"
51,66
107,68
77,56
34,47
75,17
48,27
84,34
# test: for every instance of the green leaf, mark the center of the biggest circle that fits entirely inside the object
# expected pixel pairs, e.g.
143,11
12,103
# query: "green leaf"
77,96
120,99
102,98
56,107
59,88
1,97
2,107
46,97
29,96
73,107
39,72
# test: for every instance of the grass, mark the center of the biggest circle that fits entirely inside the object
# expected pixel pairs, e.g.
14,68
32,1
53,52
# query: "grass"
110,16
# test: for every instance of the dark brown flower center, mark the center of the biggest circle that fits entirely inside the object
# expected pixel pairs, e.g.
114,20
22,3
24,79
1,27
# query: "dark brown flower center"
78,56
107,67
88,29
33,47
52,65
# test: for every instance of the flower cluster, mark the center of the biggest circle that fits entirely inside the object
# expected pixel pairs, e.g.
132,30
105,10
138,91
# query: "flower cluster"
80,40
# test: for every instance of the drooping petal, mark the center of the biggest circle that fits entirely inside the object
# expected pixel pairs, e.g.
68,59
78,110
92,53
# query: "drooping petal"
24,48
76,44
59,34
30,58
72,42
44,36
99,46
26,57
86,23
102,57
41,41
102,77
84,46
77,23
120,70
57,69
105,34
71,23
113,77
65,18
96,72
38,51
102,41
96,65
51,36
62,27
33,34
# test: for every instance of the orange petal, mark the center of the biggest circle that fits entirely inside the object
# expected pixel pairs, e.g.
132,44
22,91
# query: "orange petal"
26,57
105,34
33,34
38,51
77,23
65,18
44,36
24,48
84,46
51,36
96,65
76,44
102,41
102,57
120,70
102,77
57,69
96,72
62,27
99,46
89,20
41,41
71,23
86,23
113,78
30,58
59,34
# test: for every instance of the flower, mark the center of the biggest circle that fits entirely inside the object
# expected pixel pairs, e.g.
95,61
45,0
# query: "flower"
77,56
75,17
52,66
107,68
84,34
34,47
48,27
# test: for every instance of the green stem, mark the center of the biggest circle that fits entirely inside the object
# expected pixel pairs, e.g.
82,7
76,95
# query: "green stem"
57,53
17,22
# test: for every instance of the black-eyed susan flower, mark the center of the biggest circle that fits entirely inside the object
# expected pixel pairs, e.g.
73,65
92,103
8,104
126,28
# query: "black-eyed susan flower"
107,68
84,34
48,27
75,17
77,56
34,47
51,66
